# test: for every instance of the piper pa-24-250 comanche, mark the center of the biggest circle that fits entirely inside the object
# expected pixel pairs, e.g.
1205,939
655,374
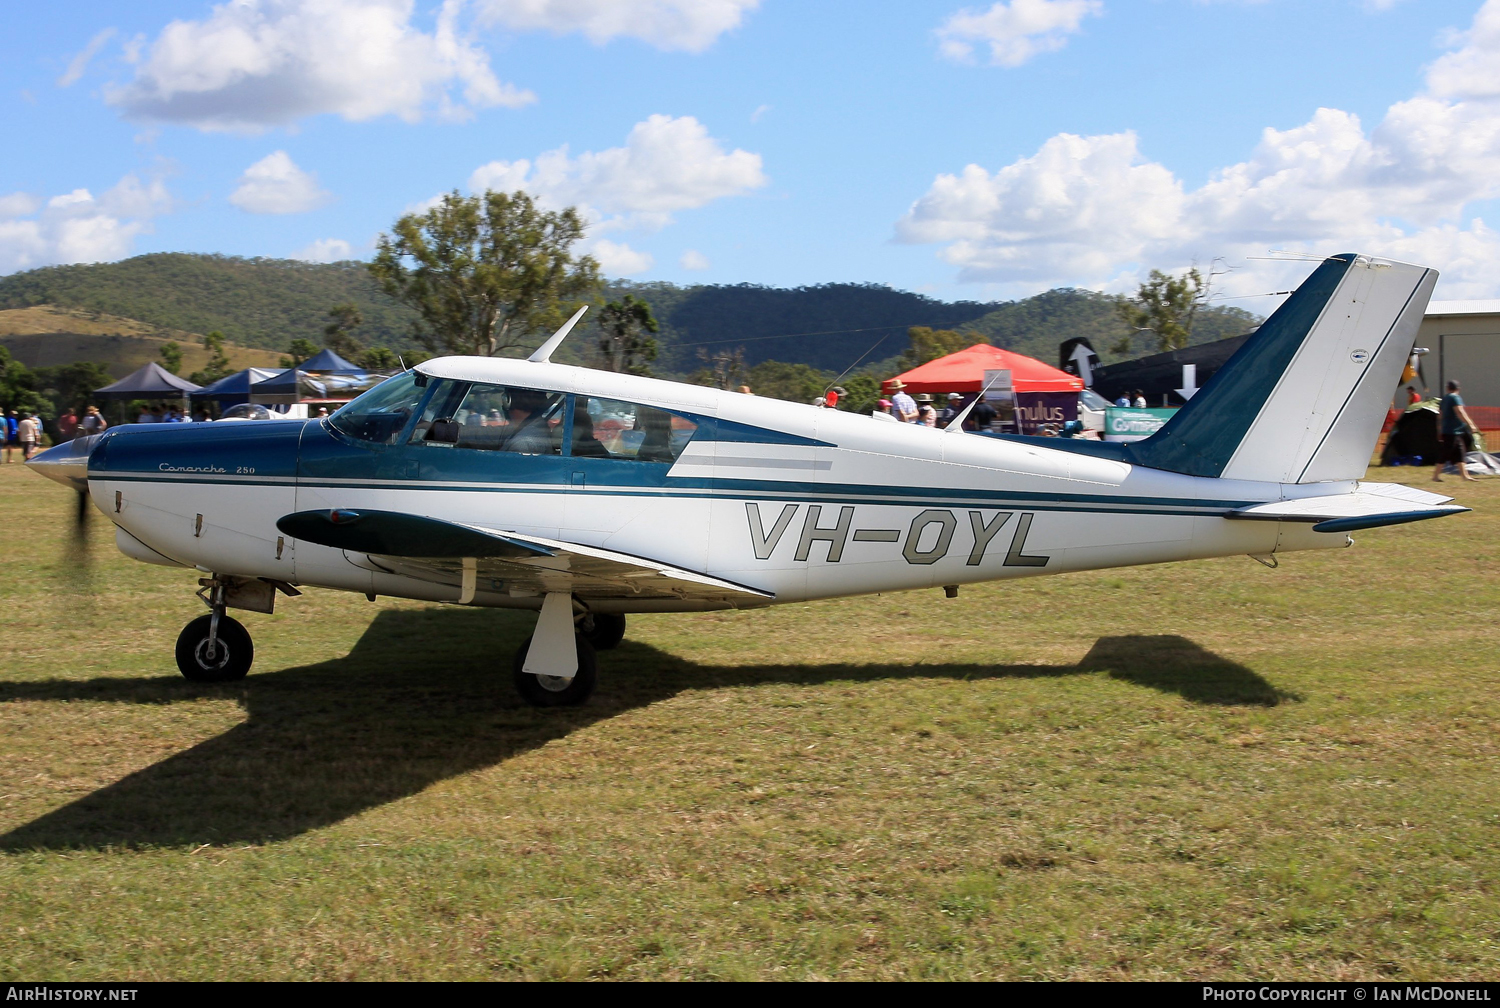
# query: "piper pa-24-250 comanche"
587,495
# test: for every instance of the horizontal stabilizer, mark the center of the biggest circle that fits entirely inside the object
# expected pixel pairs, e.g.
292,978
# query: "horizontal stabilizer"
473,559
1371,506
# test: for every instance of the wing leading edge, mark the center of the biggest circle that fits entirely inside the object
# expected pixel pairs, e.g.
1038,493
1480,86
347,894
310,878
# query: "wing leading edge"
473,558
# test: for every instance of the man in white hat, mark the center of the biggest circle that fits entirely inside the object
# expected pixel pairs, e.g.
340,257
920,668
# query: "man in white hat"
952,410
903,406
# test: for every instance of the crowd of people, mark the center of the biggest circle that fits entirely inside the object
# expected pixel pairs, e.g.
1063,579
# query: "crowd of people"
901,406
22,431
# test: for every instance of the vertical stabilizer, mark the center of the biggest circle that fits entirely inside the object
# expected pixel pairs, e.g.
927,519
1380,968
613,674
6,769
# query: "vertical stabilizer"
1302,401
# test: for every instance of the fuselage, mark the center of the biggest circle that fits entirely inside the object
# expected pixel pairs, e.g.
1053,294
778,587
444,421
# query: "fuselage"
801,502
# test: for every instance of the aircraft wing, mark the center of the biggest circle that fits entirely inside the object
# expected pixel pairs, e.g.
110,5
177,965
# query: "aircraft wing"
1370,506
474,558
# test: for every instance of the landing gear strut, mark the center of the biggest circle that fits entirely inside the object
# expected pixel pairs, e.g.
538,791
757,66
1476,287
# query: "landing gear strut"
604,630
215,647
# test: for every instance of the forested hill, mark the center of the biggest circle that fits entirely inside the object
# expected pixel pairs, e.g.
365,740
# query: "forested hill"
828,326
269,302
254,302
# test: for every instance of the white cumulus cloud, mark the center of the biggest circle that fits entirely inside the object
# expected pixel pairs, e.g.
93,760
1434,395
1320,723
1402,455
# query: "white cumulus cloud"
692,259
690,25
275,185
77,226
1014,32
326,250
19,204
617,258
667,165
1096,211
254,64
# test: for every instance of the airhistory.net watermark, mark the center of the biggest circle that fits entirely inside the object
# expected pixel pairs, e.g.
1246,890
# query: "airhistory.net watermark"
49,992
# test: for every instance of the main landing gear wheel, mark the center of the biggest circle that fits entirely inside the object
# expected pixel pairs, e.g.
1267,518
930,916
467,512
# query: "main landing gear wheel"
555,691
607,632
227,659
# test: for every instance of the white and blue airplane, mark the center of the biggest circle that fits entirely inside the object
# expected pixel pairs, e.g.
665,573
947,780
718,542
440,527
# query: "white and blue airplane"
587,495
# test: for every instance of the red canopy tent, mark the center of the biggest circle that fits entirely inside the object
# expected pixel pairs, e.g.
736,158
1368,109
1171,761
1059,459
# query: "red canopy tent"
964,372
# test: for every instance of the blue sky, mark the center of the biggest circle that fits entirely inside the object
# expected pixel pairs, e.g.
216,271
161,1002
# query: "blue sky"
980,151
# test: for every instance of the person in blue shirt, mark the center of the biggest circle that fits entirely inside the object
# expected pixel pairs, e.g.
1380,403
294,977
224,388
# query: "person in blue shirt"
10,433
1457,433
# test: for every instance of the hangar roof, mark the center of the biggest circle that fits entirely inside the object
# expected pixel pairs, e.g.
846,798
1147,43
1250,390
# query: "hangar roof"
1490,307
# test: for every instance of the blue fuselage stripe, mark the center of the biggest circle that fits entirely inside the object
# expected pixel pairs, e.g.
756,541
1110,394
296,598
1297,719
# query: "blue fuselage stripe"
714,489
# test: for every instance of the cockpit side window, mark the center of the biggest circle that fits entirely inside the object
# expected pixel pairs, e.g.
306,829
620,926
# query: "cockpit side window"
609,428
493,418
381,414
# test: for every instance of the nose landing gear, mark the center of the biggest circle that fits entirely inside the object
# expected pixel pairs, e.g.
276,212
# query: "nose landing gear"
215,647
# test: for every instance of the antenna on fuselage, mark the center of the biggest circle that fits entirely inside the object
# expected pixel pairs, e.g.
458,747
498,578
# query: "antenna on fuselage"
543,354
957,423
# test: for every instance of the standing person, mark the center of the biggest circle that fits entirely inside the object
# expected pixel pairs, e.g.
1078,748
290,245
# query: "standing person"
1140,400
903,406
954,408
29,433
67,425
1123,401
9,434
1457,434
926,412
982,417
93,422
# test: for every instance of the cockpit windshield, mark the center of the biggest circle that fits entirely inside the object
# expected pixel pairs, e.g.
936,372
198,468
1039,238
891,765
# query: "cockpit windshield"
381,414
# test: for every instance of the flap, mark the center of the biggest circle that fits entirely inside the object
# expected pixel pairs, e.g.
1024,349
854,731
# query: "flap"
474,558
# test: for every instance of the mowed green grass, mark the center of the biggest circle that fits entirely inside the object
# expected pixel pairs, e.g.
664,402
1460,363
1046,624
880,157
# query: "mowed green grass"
1207,770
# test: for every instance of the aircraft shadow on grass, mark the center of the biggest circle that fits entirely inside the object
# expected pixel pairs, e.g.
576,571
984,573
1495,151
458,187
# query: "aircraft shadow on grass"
425,695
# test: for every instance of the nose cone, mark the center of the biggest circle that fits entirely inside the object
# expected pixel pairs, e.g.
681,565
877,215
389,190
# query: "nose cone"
68,463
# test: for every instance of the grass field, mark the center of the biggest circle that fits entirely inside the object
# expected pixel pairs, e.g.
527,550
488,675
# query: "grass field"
1203,771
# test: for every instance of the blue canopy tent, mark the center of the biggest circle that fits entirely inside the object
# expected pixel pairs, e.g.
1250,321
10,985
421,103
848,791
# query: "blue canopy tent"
233,389
324,377
325,361
285,387
149,381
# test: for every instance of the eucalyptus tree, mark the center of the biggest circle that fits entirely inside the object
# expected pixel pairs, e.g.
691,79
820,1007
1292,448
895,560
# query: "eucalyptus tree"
486,273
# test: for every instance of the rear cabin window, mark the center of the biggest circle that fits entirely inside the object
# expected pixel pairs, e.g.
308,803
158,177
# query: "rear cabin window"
609,428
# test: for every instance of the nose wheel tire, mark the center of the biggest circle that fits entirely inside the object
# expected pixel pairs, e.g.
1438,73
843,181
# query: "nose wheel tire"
228,659
607,632
555,691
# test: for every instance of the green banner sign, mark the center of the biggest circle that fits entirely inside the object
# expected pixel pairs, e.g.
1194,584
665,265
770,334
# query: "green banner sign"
1121,424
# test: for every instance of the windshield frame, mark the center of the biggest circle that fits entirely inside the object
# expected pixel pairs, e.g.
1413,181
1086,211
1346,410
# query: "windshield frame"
420,379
